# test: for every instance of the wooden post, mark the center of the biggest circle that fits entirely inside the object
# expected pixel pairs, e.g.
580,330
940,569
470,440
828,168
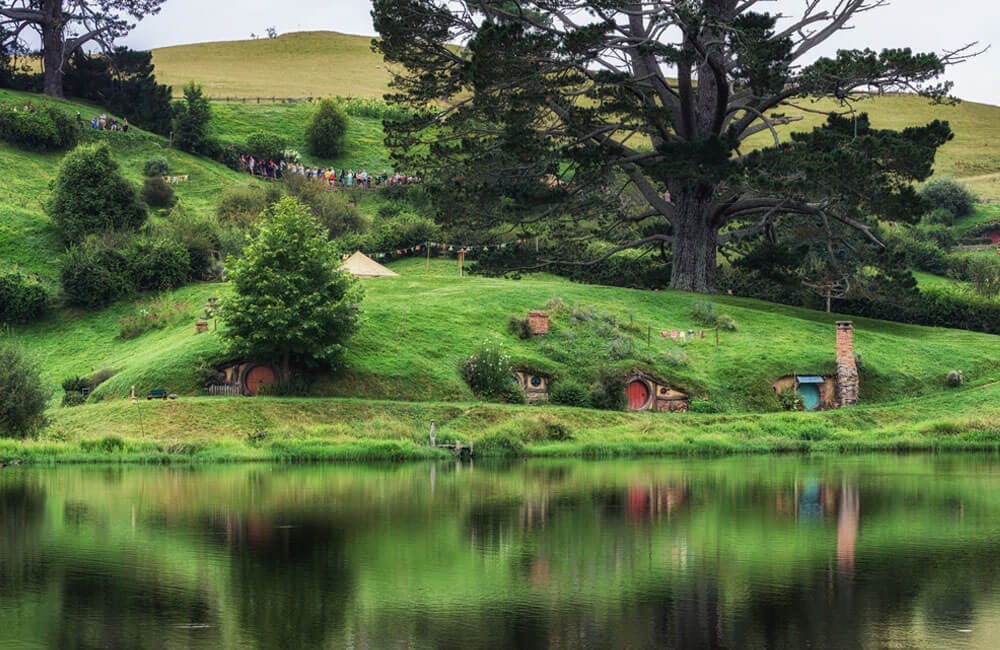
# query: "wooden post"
649,335
461,260
428,256
716,337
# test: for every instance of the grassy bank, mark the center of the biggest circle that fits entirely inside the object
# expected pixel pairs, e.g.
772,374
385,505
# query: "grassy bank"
202,429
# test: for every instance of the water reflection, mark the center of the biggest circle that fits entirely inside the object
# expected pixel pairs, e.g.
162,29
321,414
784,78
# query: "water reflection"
742,552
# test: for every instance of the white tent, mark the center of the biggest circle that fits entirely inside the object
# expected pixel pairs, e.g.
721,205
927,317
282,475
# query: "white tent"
363,266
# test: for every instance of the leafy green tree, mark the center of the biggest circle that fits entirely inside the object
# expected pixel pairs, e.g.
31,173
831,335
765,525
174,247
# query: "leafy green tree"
92,196
326,130
633,121
946,193
191,118
291,304
22,394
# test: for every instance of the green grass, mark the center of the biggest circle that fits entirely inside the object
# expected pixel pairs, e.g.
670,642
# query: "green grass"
298,65
403,370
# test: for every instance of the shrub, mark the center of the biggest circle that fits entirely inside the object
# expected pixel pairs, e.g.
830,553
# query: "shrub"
518,326
984,275
954,378
947,193
157,264
94,275
73,399
703,313
242,206
266,146
569,392
939,217
157,193
22,394
91,195
22,299
334,210
489,373
727,323
325,131
156,166
45,128
608,390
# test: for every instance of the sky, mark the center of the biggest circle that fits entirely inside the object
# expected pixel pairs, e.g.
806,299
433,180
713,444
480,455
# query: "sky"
923,25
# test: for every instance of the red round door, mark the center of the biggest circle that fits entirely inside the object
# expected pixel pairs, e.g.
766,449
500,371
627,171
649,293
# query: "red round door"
257,377
638,395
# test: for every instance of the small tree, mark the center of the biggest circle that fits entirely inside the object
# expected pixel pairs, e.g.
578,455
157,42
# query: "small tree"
91,195
290,303
946,193
191,117
325,133
22,395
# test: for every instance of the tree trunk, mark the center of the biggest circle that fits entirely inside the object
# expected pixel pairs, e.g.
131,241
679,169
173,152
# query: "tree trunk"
53,41
694,248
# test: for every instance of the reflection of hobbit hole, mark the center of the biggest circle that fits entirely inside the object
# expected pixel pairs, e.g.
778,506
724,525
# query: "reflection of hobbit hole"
645,393
534,385
829,391
248,377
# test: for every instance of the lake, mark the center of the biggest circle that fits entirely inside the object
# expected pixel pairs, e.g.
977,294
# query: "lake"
748,552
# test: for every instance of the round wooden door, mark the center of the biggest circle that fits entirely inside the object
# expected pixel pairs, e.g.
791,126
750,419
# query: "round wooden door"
638,395
257,377
810,396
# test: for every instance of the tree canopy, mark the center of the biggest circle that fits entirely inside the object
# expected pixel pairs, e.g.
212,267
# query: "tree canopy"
65,26
291,304
629,121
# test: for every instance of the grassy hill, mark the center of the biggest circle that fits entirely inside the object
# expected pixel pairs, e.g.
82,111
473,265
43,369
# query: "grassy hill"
403,370
302,64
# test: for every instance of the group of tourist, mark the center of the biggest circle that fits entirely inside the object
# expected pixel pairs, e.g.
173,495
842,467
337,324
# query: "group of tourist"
342,178
102,123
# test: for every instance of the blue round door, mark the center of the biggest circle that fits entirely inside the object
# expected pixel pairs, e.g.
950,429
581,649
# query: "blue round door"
810,396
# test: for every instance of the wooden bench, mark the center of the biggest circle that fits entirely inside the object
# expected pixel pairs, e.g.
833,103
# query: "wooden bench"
157,393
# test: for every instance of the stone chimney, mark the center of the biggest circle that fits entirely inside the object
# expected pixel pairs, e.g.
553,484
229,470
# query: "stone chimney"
848,382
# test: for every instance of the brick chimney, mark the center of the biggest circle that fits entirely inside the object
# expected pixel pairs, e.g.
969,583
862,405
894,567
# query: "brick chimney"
848,381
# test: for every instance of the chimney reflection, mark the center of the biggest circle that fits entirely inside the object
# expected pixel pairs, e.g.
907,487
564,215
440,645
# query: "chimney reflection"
847,529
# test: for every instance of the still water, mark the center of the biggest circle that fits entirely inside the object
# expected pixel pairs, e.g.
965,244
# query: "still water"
856,552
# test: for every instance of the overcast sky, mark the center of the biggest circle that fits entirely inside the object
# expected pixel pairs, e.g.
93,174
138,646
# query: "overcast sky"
924,25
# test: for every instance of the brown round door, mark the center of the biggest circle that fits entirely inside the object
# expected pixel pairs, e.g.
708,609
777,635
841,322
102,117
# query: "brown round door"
257,377
638,395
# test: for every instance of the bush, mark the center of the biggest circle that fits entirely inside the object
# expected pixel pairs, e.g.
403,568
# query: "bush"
948,194
703,313
984,275
157,264
242,206
22,299
518,326
94,274
325,131
489,373
157,193
335,211
266,146
156,166
608,391
207,242
569,392
92,196
45,128
22,395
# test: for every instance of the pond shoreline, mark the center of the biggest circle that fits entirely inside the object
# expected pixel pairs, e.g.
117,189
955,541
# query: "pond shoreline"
209,430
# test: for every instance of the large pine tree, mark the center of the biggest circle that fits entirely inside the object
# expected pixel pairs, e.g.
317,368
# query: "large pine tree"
630,120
